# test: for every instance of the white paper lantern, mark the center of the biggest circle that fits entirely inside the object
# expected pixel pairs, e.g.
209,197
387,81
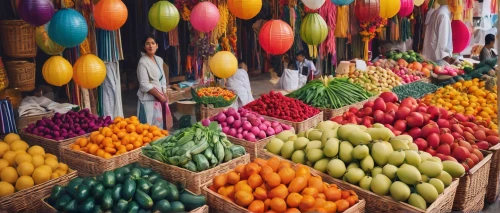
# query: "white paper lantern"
313,4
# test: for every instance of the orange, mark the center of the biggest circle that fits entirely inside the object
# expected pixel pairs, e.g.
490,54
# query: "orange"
333,194
243,187
310,191
345,194
303,171
107,155
99,139
257,206
114,137
317,183
261,162
222,191
284,164
342,205
278,205
307,202
352,200
100,153
293,199
252,168
243,198
274,163
267,204
121,135
292,210
83,142
272,179
320,209
279,191
254,181
320,203
233,178
76,147
321,195
297,184
330,206
286,174
260,193
230,191
239,168
265,170
139,129
220,181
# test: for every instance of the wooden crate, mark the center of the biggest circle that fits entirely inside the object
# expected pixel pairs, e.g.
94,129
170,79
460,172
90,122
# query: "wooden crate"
23,121
50,145
299,126
209,111
330,113
252,148
494,176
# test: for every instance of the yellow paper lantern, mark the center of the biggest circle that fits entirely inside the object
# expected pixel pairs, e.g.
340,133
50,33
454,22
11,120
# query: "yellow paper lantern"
223,64
57,71
89,71
244,9
389,8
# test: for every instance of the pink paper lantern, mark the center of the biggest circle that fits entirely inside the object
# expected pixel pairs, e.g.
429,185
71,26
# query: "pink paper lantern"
460,36
204,16
406,8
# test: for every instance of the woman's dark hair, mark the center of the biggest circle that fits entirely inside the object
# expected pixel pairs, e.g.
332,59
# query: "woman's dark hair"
292,65
301,53
145,39
489,38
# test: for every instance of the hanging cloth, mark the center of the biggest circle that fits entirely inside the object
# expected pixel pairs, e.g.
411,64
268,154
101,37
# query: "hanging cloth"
111,97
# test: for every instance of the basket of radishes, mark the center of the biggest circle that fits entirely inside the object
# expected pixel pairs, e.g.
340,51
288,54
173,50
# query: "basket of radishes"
247,129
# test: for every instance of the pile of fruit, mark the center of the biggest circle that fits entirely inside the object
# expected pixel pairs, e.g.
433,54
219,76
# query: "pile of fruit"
127,189
407,75
196,149
415,89
409,56
375,80
279,106
216,96
22,167
276,185
69,125
468,97
350,152
448,70
120,137
332,93
243,124
464,65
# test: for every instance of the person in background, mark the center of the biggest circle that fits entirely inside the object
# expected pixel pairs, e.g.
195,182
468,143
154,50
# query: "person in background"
239,83
487,51
289,81
306,67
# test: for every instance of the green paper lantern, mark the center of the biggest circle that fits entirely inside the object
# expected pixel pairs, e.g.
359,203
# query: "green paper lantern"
313,30
163,16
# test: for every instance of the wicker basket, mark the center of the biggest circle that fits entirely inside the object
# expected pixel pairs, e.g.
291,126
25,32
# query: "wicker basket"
30,199
210,111
252,148
18,39
174,96
377,203
50,145
23,121
21,75
494,177
299,126
330,113
473,185
194,181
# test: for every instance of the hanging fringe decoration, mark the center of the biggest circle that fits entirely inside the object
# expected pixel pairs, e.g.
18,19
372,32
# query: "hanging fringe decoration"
405,29
173,37
329,12
233,37
342,24
456,8
221,28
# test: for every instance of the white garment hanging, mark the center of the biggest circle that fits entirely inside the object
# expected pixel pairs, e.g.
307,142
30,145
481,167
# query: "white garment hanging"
240,84
111,91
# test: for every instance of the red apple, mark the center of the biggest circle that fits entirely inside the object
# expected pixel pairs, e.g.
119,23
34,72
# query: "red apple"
460,153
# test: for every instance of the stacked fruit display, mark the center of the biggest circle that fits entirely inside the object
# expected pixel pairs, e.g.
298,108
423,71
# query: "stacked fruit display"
373,158
409,56
448,70
375,80
275,185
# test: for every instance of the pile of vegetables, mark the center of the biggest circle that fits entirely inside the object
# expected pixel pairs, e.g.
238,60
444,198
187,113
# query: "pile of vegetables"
69,125
375,80
276,105
484,70
216,96
131,188
415,67
243,124
120,137
197,148
332,93
415,89
409,56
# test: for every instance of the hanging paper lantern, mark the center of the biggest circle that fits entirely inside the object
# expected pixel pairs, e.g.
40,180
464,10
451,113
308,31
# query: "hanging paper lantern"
276,37
204,16
163,16
110,14
313,4
367,10
313,29
460,36
389,8
418,3
406,8
68,28
244,9
342,2
45,43
89,71
36,12
224,64
57,71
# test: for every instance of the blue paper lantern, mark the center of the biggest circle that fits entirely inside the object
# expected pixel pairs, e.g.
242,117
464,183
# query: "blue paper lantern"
68,28
342,2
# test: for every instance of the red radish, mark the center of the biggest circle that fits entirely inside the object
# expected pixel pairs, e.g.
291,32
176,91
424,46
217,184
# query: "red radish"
400,125
358,120
493,140
454,146
391,113
433,140
388,119
460,153
427,118
456,128
446,138
415,119
468,129
457,136
443,113
388,126
429,129
389,97
415,132
378,116
396,132
491,132
460,117
444,149
410,101
402,112
368,104
433,111
337,119
421,143
468,124
469,162
352,120
449,158
443,123
360,113
483,145
353,110
431,151
422,109
466,166
441,156
466,145
480,135
474,158
478,153
379,104
367,111
391,107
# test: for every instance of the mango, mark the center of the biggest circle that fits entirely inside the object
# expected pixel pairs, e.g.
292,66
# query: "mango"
404,137
336,168
354,175
327,135
315,135
353,165
412,157
396,158
425,156
398,144
400,191
431,169
378,125
413,147
287,150
345,130
389,146
453,168
299,156
417,201
321,165
300,143
274,146
382,134
445,178
409,174
436,160
365,182
380,153
362,127
360,152
314,155
331,148
313,145
427,191
390,171
367,163
376,170
438,184
381,185
283,136
326,125
301,134
345,151
359,137
425,178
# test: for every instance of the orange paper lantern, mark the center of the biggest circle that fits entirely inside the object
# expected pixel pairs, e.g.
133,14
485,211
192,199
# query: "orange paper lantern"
110,14
244,9
276,37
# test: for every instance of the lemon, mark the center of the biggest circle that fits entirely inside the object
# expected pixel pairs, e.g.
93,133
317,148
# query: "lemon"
52,163
4,147
54,175
36,150
11,137
40,175
9,175
18,145
10,156
46,168
63,167
25,168
6,189
3,164
24,182
37,160
23,157
19,151
61,172
50,156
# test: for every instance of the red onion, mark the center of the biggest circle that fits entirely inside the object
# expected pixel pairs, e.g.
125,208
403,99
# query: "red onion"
415,119
402,113
415,132
389,97
429,129
379,104
400,125
378,116
433,140
446,138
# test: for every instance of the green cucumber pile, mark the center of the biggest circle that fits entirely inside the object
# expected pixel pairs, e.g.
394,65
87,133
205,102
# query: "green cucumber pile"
332,93
415,89
197,148
127,189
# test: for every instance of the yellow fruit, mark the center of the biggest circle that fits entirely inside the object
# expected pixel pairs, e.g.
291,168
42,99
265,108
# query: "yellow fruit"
11,137
25,168
36,150
4,147
46,168
61,172
18,145
54,175
37,160
23,157
9,175
63,167
41,175
11,157
20,151
6,189
3,164
50,156
52,163
24,182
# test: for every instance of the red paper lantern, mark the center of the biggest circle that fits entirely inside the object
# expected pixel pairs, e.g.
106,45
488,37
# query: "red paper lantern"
460,36
406,8
367,10
110,14
276,37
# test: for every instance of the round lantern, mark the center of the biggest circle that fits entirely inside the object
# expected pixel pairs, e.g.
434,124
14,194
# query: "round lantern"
163,16
460,36
276,37
313,29
57,71
406,8
68,28
204,16
89,71
313,4
342,2
389,8
244,9
110,14
367,10
45,43
418,3
36,12
224,64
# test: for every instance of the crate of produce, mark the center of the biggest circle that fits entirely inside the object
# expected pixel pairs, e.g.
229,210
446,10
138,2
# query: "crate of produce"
50,145
283,187
330,113
124,189
210,110
213,100
494,177
23,121
299,126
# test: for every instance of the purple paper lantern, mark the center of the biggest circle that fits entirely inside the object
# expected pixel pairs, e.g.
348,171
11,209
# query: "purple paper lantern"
406,8
204,16
36,12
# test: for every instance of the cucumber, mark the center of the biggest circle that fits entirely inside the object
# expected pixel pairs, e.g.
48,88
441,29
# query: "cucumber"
75,182
56,193
128,189
89,182
98,178
153,177
177,206
173,193
143,199
120,177
108,179
82,192
201,162
135,172
87,206
191,201
107,200
120,206
159,192
145,171
132,207
98,191
117,192
162,206
144,185
71,207
62,202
